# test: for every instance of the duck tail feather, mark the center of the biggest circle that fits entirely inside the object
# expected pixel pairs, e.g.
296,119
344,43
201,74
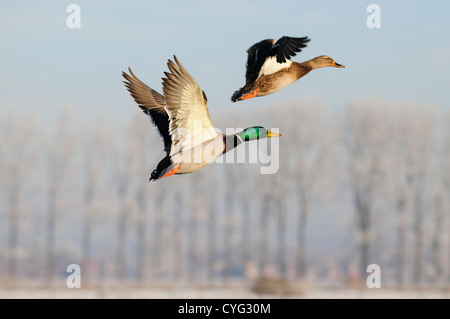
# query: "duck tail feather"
164,166
236,95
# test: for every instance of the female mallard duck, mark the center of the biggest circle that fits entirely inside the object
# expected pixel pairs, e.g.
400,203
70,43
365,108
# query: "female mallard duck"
269,68
182,119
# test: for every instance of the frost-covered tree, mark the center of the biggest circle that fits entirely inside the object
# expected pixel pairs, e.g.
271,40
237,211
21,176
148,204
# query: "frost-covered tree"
310,153
123,177
20,146
409,158
96,148
60,156
444,174
417,146
367,140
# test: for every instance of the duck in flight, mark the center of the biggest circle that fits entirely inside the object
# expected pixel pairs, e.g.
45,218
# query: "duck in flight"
182,119
269,68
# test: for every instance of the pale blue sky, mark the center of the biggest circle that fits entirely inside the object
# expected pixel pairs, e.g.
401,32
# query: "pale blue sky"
46,66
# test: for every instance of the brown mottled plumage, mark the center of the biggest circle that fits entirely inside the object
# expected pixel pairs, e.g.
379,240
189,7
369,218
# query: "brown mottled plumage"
269,68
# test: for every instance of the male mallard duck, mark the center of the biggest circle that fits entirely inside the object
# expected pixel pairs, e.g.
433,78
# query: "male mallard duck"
269,68
182,119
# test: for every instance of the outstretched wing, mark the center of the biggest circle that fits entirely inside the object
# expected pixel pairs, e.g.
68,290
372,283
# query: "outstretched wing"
152,103
287,47
257,55
279,55
186,105
145,96
161,121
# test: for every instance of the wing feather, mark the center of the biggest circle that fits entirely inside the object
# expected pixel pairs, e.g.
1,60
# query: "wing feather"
186,104
145,97
152,103
256,56
287,47
267,56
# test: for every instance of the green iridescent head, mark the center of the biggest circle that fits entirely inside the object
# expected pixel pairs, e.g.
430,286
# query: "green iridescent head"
256,133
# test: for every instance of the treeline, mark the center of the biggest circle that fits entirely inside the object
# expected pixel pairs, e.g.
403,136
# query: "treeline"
77,193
